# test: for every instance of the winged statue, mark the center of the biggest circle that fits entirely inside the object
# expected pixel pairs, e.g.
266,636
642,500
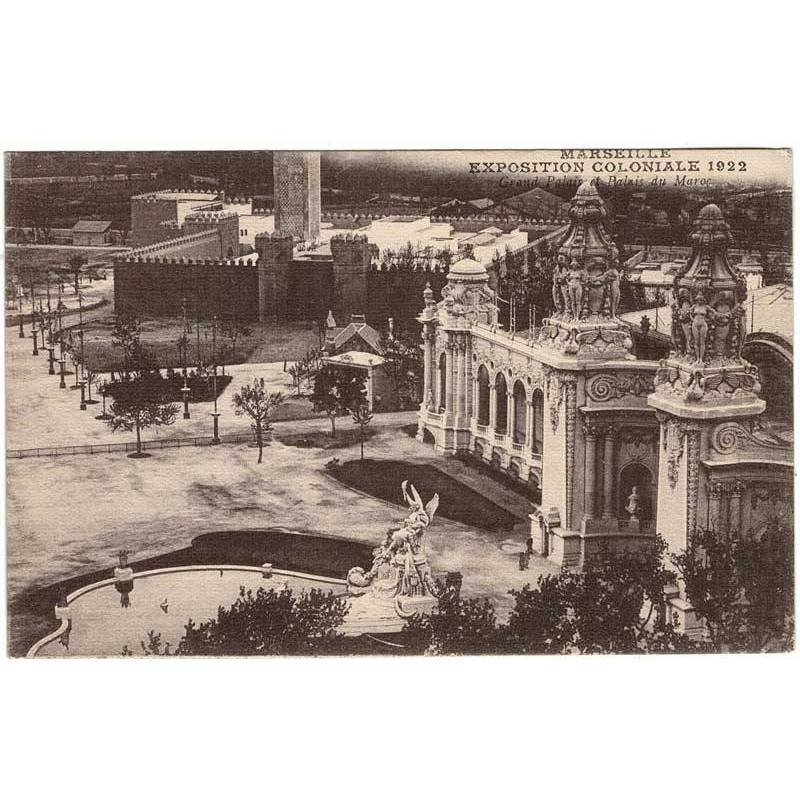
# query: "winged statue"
400,565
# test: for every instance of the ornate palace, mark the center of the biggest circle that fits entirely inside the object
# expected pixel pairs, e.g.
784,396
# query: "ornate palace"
617,447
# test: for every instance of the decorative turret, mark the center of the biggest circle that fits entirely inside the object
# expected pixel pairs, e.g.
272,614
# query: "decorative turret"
709,323
586,290
466,297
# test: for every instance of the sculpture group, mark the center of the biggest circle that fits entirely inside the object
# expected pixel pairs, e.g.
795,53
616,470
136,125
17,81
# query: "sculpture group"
581,292
702,330
400,565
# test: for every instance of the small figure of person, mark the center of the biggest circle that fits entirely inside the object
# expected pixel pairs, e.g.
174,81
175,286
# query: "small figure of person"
558,297
612,281
575,283
632,505
701,314
524,561
684,315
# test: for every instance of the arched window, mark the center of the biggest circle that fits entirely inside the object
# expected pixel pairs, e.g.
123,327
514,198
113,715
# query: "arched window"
538,421
483,395
520,413
501,404
442,381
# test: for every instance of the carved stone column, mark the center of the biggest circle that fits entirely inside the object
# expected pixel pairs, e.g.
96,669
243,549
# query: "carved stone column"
492,406
590,485
427,339
692,477
468,394
448,369
528,425
570,413
608,473
461,379
715,519
475,394
510,415
735,507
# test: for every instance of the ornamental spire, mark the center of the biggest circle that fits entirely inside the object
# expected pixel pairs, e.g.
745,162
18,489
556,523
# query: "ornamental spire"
708,315
709,327
586,287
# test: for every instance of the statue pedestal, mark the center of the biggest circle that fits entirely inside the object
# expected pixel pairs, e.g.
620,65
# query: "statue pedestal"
596,337
406,607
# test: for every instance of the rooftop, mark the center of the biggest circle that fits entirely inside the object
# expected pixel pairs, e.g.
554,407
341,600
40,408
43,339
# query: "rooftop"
90,226
769,310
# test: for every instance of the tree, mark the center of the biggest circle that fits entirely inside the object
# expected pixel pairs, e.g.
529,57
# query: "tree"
265,622
336,391
742,586
455,627
126,336
614,605
362,417
76,262
254,400
403,365
140,402
233,330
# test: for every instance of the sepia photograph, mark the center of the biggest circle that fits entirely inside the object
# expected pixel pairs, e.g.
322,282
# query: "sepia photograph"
399,403
399,400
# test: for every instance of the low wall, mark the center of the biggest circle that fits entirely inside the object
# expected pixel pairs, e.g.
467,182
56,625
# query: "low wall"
73,596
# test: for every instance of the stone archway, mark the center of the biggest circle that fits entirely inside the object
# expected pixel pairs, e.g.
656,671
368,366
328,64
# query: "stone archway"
520,428
537,410
500,403
442,382
638,475
483,395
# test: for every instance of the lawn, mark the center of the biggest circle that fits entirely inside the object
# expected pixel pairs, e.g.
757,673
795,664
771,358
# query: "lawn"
457,502
267,342
42,259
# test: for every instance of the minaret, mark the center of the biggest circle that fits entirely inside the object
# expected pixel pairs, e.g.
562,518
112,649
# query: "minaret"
705,381
297,194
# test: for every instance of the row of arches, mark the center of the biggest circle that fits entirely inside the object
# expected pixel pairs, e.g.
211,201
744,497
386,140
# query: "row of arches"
519,409
509,419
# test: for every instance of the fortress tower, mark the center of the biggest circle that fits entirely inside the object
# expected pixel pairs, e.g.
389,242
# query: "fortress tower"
297,194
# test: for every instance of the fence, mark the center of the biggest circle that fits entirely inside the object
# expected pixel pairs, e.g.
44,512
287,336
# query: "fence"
129,447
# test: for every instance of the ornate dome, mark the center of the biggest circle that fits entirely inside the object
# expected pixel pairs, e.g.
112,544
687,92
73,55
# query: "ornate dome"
467,269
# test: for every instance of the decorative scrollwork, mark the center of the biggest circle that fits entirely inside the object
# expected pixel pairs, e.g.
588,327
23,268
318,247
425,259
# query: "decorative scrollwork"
728,437
604,387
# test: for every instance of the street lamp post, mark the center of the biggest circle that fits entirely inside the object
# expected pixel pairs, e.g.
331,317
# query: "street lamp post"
215,414
80,330
62,383
185,392
21,330
83,395
35,335
104,392
184,347
41,321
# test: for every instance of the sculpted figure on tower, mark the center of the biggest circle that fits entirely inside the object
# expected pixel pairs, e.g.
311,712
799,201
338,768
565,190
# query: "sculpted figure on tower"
709,321
584,321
